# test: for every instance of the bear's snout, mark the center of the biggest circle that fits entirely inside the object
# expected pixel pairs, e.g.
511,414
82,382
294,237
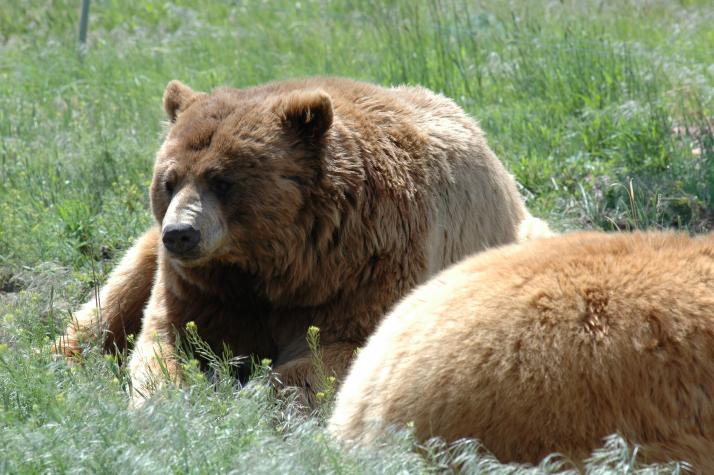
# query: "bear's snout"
181,238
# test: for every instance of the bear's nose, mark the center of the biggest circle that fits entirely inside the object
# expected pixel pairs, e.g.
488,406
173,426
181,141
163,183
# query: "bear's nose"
180,238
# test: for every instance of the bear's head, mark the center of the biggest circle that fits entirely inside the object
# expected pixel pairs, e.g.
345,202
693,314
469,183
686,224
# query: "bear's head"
235,171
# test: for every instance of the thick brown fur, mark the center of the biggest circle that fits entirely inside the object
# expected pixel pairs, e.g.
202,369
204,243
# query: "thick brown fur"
319,202
549,346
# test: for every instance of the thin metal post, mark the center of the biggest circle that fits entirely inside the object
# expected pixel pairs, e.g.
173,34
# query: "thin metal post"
83,20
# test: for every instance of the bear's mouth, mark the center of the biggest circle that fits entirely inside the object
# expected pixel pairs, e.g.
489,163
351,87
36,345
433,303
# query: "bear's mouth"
199,258
187,260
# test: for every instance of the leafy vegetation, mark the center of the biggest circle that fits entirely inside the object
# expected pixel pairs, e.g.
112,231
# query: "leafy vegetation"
604,111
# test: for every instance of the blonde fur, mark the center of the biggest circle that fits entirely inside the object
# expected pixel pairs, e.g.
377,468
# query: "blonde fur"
549,346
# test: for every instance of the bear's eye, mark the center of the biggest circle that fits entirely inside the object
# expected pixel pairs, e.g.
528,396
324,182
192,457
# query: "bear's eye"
295,179
220,187
169,186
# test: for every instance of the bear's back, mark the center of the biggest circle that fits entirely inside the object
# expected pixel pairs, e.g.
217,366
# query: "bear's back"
551,346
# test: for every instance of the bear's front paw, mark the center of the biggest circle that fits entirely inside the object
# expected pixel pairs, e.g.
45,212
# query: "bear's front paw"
150,369
81,331
298,377
69,344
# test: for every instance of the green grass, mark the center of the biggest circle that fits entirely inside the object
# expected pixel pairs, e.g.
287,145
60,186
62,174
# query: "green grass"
603,110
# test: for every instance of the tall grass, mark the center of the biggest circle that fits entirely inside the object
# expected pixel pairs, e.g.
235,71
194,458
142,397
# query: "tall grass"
575,99
603,111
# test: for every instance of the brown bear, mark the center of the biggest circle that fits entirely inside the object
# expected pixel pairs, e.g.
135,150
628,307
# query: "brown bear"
307,202
549,346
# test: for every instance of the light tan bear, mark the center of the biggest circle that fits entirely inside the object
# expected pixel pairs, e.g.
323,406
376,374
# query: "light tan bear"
305,202
549,346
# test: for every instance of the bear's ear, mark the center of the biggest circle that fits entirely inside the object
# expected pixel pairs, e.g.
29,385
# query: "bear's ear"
309,113
177,97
